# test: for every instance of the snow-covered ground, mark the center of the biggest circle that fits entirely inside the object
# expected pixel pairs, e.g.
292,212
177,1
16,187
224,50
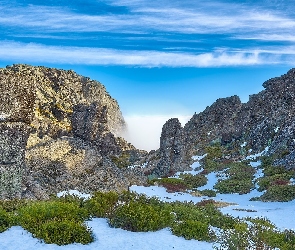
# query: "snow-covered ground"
106,238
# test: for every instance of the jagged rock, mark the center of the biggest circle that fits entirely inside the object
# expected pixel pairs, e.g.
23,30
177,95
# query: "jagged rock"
171,148
72,126
16,112
266,120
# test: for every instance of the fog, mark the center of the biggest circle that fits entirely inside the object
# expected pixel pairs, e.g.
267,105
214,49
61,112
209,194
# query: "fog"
144,131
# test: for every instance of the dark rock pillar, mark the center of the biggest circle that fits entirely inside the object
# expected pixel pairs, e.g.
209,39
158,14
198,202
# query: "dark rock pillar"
171,149
17,97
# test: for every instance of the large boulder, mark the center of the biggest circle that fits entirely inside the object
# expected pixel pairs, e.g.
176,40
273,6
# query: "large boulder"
16,113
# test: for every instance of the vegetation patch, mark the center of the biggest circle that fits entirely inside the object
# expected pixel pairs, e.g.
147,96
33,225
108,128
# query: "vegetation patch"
56,222
281,193
121,161
257,233
239,179
181,184
6,220
101,204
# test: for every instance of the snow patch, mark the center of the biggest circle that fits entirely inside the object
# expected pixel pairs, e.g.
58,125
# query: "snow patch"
252,157
75,193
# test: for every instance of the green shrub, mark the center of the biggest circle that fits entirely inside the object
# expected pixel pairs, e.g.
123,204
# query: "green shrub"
171,184
282,193
188,211
6,220
212,165
273,180
208,192
191,229
282,240
194,181
216,218
64,232
270,170
249,234
213,152
227,186
101,204
122,161
48,218
13,205
136,216
240,171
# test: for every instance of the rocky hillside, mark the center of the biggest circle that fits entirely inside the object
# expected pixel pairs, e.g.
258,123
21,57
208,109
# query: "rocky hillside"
266,120
68,136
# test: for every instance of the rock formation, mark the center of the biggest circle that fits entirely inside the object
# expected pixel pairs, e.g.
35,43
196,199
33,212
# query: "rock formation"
266,120
72,125
17,99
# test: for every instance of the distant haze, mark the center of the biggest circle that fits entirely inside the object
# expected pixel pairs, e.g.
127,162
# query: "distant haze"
144,131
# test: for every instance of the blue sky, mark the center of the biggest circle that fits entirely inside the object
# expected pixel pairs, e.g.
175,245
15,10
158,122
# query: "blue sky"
157,58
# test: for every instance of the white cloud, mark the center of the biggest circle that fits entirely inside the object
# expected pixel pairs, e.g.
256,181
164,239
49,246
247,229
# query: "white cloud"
200,18
144,131
28,53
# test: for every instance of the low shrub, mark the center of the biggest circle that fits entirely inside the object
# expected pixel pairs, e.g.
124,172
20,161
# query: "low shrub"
122,161
273,180
248,234
214,152
240,171
64,232
49,220
281,193
6,220
171,184
227,186
13,205
194,181
191,229
101,204
208,192
270,170
136,216
213,165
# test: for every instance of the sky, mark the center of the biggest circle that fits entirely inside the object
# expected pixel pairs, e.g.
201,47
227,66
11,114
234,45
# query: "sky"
158,59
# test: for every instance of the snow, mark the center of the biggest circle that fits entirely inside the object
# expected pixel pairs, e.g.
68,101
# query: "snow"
252,157
276,129
243,145
106,238
75,193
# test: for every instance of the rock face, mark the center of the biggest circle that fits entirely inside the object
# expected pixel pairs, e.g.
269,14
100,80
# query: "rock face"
171,148
65,128
17,99
266,120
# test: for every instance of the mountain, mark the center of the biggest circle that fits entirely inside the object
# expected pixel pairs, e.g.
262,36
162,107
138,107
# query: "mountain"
59,130
266,121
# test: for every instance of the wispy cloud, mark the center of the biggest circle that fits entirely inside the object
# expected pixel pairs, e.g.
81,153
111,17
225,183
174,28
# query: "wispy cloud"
200,18
21,52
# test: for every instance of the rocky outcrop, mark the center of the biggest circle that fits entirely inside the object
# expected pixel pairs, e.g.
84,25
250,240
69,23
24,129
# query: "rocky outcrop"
17,99
171,148
266,120
65,127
